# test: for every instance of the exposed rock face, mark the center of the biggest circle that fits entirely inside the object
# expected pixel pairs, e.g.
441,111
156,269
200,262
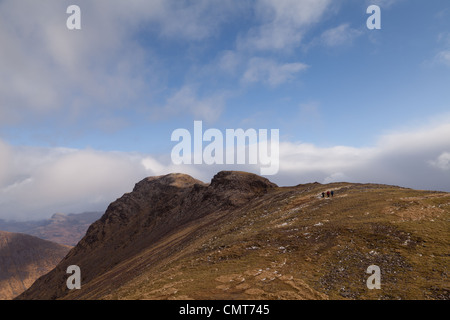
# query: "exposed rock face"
23,259
155,207
236,188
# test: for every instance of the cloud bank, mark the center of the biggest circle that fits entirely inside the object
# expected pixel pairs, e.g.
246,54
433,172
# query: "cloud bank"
37,182
49,70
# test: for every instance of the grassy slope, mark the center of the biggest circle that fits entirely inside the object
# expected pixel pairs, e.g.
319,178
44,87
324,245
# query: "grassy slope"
293,244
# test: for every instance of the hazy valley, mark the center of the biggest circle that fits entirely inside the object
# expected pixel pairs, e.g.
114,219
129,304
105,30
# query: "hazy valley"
60,228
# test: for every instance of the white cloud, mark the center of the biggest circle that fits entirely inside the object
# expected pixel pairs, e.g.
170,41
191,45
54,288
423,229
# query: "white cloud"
341,35
187,101
45,68
229,62
283,23
442,162
443,57
306,157
271,72
335,177
401,158
444,37
5,161
36,182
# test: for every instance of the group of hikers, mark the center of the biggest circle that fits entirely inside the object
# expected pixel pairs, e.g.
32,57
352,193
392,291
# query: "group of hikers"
329,193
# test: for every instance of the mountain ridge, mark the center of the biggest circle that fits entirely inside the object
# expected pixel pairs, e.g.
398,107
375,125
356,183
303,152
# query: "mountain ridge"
176,237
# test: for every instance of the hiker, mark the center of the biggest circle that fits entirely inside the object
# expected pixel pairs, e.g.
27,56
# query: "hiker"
323,194
332,193
328,194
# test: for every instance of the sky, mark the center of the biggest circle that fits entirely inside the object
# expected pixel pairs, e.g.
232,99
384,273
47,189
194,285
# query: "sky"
87,113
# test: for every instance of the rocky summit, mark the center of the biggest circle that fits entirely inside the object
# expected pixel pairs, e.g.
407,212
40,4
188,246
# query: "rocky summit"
243,237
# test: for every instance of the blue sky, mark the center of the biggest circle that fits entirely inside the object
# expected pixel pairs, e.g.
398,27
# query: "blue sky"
101,103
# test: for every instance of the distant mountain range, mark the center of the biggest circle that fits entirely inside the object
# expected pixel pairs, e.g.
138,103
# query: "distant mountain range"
60,228
243,237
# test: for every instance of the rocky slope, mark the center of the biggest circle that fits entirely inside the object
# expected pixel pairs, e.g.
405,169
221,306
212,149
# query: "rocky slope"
243,237
23,259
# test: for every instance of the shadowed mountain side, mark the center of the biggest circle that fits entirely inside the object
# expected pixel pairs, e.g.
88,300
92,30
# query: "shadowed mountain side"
243,237
23,259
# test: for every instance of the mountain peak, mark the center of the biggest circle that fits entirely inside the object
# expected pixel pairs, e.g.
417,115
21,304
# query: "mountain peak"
241,180
58,217
178,180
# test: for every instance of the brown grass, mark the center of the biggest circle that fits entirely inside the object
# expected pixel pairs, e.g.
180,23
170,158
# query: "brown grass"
293,244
